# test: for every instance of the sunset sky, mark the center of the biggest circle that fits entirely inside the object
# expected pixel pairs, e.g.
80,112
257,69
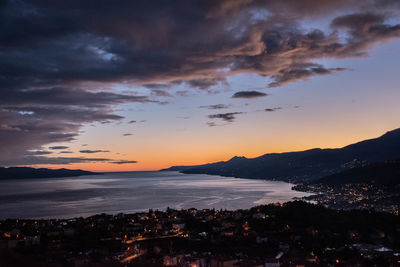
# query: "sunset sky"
144,85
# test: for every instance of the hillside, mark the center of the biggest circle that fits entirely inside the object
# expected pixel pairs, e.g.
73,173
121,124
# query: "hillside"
306,165
384,173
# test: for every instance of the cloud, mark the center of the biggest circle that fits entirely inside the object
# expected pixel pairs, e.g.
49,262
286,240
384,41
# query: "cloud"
30,119
135,121
87,151
33,118
205,83
127,134
39,160
58,147
123,162
358,21
160,93
182,93
272,109
59,67
303,71
228,117
65,152
37,153
69,114
132,42
217,106
364,30
248,94
67,97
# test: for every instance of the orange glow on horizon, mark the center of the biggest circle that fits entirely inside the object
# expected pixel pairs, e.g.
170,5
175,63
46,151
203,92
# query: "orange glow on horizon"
183,155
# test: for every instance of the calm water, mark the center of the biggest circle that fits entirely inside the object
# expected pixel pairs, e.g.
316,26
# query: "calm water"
134,191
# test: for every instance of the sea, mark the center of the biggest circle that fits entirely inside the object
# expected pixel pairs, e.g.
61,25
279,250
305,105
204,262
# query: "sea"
128,192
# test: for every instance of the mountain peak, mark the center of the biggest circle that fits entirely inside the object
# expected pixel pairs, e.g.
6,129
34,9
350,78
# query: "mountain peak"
237,158
393,132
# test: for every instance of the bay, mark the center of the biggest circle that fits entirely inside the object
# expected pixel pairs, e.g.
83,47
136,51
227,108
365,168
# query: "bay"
129,192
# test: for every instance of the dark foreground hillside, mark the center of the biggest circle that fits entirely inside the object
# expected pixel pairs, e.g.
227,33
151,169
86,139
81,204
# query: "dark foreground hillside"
295,233
375,185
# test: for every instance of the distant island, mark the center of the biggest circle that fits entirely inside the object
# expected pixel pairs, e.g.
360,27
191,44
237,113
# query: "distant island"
25,172
308,165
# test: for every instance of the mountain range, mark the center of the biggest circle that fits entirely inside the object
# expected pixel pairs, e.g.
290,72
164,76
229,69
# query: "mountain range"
305,165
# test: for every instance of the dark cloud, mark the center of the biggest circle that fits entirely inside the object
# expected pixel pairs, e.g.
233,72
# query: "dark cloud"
31,119
358,21
272,109
162,85
182,93
248,94
127,134
87,151
160,93
205,83
40,160
123,162
198,43
37,160
69,114
68,97
228,117
217,106
134,121
37,153
22,132
363,31
65,152
301,72
61,59
58,147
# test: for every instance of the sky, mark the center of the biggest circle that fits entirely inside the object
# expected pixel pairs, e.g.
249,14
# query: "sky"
132,85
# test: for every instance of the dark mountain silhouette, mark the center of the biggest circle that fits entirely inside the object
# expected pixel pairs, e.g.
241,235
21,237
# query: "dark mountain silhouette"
179,168
382,173
305,165
25,172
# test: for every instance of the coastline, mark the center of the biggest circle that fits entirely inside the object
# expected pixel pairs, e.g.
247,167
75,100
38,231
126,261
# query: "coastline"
294,232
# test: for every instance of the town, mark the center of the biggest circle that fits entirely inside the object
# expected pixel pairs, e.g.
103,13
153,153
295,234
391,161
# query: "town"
291,234
354,196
